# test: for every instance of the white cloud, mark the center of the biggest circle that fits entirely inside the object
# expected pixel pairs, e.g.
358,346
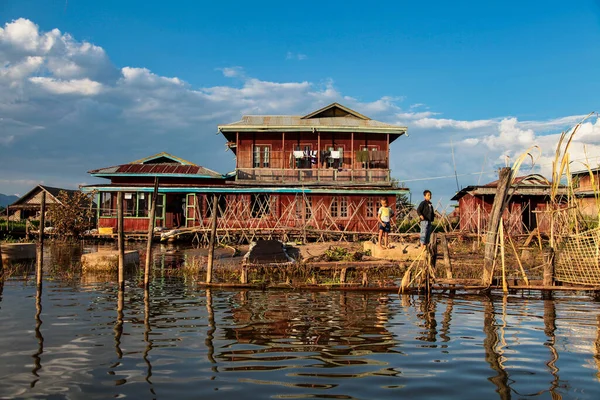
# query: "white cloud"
85,86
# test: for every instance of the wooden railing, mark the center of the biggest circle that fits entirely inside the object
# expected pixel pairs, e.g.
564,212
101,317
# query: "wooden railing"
308,175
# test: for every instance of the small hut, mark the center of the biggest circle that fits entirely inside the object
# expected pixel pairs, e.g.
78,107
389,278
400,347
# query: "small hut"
587,191
28,206
529,197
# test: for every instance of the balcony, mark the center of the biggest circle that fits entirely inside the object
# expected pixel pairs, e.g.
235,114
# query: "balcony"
314,176
284,167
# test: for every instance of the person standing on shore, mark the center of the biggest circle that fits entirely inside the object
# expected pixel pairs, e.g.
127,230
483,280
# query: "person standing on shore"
384,215
426,215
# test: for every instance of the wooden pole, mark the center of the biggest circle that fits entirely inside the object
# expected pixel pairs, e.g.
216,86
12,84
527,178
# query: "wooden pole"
501,233
120,240
150,235
494,222
548,274
211,244
40,247
446,251
1,265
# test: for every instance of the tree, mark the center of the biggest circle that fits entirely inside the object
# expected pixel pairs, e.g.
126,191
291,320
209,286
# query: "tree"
72,215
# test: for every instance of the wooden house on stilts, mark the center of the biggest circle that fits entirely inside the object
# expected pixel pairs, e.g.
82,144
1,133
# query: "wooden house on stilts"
317,176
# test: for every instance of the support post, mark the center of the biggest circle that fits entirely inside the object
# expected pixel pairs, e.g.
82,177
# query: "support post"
446,251
343,275
493,224
40,246
150,235
211,244
548,276
120,240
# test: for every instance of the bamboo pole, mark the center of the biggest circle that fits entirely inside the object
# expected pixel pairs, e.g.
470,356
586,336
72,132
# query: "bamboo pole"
525,279
40,247
211,245
120,240
150,234
494,222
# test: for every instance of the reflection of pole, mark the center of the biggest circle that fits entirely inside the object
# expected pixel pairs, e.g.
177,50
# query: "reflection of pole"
447,318
37,363
120,240
150,234
490,344
211,244
211,330
1,265
40,247
549,329
147,331
119,325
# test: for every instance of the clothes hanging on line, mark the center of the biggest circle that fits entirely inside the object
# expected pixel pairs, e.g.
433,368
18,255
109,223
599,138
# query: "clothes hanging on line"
335,154
298,154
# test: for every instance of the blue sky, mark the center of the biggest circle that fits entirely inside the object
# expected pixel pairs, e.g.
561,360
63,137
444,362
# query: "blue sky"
492,79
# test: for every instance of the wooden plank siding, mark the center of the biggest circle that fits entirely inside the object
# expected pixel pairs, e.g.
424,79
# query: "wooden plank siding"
282,166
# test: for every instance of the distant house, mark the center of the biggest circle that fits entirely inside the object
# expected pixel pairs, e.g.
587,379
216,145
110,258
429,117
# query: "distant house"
530,196
587,192
28,206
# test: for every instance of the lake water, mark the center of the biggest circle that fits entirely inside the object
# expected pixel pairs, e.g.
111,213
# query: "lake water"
178,340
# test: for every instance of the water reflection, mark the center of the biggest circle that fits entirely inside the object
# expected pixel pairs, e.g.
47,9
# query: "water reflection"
251,344
37,363
147,330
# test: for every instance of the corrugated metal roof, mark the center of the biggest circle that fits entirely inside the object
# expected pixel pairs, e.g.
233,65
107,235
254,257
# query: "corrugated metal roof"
157,169
296,120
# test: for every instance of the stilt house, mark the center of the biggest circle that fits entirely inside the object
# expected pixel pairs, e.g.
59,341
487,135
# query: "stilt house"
529,198
320,173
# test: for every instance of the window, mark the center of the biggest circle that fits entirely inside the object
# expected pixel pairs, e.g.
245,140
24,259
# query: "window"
261,156
370,208
261,205
333,208
303,208
135,204
344,207
108,204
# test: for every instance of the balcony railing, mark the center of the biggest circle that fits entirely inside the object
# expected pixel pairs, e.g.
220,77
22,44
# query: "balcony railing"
373,176
280,166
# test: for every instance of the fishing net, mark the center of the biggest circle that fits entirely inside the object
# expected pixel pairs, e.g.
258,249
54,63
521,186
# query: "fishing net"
578,258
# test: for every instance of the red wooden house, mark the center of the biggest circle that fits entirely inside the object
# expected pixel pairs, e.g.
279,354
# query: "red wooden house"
315,174
586,185
529,198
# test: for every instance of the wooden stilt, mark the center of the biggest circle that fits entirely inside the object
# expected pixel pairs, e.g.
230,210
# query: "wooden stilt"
150,235
446,251
40,246
120,240
494,222
548,278
211,245
343,275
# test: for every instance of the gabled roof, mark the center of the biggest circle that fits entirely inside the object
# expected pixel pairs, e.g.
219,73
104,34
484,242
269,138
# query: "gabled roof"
332,118
161,164
51,191
533,184
334,110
